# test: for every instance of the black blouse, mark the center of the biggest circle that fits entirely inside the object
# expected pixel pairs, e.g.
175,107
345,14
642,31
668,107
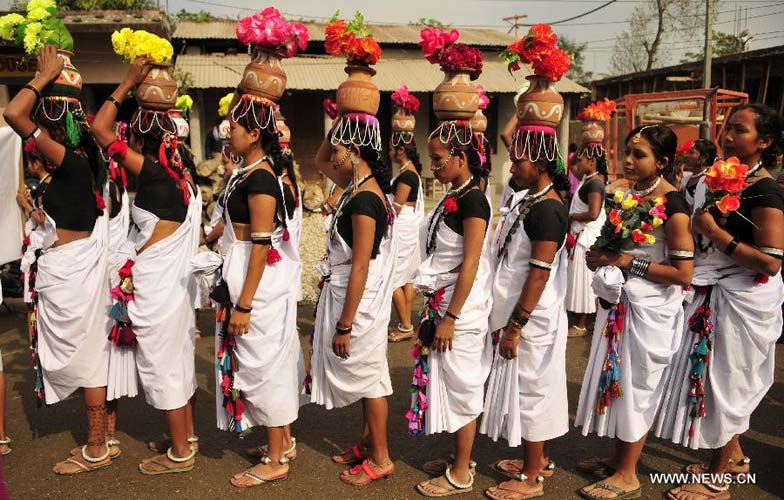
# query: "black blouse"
259,181
159,193
69,198
410,179
763,193
365,203
595,185
472,203
548,220
676,204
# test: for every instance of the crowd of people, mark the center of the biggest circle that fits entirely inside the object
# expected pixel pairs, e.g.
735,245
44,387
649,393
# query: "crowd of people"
685,319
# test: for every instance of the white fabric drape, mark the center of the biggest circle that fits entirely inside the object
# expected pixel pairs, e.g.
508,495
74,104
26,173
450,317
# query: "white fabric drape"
579,295
408,223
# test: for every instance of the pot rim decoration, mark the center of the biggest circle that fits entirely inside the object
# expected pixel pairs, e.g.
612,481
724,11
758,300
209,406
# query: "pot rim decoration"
353,68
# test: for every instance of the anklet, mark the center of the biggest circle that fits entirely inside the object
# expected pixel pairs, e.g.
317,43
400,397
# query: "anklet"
179,460
266,460
94,460
459,486
539,479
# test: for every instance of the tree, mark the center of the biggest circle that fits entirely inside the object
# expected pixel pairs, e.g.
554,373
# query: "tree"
650,25
62,5
724,44
430,23
577,52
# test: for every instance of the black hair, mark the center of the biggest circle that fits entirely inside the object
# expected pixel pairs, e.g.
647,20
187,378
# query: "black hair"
601,161
573,147
256,117
707,151
378,167
471,147
663,143
768,124
560,181
411,153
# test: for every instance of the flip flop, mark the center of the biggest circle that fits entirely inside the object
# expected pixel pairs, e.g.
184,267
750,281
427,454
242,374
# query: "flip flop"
620,494
512,468
438,467
114,449
702,468
399,334
371,474
515,495
261,451
85,463
356,451
168,469
6,441
455,488
709,495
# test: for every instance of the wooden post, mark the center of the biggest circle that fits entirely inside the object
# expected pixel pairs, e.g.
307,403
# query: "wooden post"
765,85
743,76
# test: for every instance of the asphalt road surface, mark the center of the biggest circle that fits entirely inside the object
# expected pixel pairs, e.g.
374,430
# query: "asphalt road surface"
43,436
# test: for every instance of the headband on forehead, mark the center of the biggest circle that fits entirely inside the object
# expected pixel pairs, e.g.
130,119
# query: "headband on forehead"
402,137
260,112
453,129
145,121
357,129
594,150
535,142
55,108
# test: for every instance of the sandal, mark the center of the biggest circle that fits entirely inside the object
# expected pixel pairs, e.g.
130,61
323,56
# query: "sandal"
163,445
620,494
84,462
438,467
168,469
714,492
261,451
697,469
400,334
5,442
513,468
114,449
596,466
577,331
510,494
455,488
367,468
356,456
258,478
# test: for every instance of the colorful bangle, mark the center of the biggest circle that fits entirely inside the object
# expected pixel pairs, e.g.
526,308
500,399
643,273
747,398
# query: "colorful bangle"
731,246
244,310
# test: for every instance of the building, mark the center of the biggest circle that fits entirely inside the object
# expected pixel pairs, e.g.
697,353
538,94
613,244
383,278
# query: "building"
215,60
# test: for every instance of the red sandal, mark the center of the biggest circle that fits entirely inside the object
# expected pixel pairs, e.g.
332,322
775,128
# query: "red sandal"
357,453
369,472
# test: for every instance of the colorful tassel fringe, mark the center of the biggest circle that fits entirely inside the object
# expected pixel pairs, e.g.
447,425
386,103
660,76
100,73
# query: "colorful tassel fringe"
609,380
701,324
227,366
421,371
122,331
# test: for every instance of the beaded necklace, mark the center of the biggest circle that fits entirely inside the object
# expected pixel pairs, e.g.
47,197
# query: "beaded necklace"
440,212
526,204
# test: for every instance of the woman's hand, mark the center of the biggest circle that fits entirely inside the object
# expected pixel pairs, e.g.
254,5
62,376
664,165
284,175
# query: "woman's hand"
703,223
23,197
595,259
49,65
137,72
340,345
445,333
239,323
507,347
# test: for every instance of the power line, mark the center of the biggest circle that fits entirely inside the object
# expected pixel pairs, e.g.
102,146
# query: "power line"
578,16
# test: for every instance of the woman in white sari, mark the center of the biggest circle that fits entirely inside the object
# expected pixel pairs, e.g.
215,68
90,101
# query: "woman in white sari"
526,399
640,323
167,216
451,363
349,344
70,348
726,361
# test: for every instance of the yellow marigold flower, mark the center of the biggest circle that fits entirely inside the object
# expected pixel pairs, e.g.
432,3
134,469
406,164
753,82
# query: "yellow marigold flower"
32,38
38,14
184,103
224,103
8,24
656,222
40,4
650,239
629,203
618,196
658,201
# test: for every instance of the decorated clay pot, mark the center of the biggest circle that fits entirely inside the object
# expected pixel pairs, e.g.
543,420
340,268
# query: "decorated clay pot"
540,104
264,76
158,91
456,97
592,132
403,121
69,82
479,122
183,129
285,132
358,94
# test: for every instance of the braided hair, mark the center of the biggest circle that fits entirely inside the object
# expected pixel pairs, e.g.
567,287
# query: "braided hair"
378,167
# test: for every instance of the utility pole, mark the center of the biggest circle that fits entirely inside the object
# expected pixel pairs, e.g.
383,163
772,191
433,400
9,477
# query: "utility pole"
515,22
705,126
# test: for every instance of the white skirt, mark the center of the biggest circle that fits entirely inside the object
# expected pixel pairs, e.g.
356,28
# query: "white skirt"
408,255
580,298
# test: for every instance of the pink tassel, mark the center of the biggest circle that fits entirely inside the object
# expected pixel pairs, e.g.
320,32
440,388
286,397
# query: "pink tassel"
162,157
286,234
273,256
99,201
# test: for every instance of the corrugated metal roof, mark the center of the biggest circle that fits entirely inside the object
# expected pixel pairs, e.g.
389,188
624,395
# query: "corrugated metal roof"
326,73
383,33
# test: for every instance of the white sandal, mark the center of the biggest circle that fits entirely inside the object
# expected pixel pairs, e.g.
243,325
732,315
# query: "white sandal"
5,442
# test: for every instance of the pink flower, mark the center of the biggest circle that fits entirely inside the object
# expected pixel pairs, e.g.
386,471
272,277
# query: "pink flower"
433,40
450,205
405,100
484,101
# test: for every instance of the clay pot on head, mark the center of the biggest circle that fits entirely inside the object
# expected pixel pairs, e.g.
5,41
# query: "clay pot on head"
456,97
264,76
403,121
158,91
285,132
69,82
541,104
479,122
183,129
358,94
592,132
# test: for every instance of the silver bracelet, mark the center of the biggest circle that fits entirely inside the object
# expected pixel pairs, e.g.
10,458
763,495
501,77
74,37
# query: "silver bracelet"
681,254
540,264
773,252
640,267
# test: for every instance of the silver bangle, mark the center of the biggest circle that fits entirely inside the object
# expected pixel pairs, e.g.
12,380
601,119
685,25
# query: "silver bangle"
681,254
773,252
640,267
540,264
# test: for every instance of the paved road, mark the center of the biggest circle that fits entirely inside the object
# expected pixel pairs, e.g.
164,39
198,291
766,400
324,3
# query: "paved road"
42,436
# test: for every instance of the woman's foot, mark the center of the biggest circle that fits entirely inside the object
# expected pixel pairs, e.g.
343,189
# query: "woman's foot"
367,472
82,462
261,451
5,446
512,468
600,467
401,333
438,466
698,492
114,449
613,487
168,463
515,490
164,444
577,331
351,456
267,471
734,467
449,484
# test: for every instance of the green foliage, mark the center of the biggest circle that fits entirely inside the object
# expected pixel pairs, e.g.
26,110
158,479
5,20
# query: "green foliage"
198,17
724,44
429,23
576,51
63,5
184,78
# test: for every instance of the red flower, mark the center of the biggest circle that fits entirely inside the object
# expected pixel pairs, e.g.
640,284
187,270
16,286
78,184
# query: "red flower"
761,278
597,111
363,51
433,41
539,41
460,56
125,270
335,37
615,217
330,108
553,65
646,227
638,237
729,203
405,100
450,205
118,150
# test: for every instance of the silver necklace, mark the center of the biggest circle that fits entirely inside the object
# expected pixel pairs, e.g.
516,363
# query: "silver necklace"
647,191
539,194
753,170
590,176
459,188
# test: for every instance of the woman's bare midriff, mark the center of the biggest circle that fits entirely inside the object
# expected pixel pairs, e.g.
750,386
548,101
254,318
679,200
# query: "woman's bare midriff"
241,231
65,236
163,229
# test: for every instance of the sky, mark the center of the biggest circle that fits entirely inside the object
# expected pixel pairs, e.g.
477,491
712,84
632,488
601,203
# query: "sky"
763,18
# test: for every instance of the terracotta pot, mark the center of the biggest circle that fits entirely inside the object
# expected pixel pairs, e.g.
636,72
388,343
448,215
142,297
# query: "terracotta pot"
69,82
479,122
358,94
592,132
264,76
183,129
403,121
158,91
456,97
285,132
540,104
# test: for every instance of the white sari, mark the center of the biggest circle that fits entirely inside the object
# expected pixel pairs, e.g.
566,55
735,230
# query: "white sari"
407,227
337,382
162,310
579,294
526,397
